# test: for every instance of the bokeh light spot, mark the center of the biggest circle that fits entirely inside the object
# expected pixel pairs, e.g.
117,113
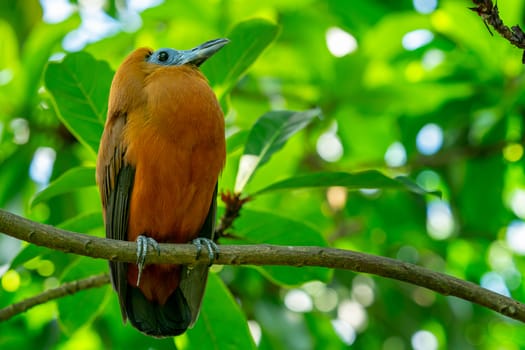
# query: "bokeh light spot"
329,147
352,313
41,166
515,237
513,152
298,300
429,139
425,6
495,282
340,42
45,268
11,281
429,180
344,331
417,38
517,203
20,129
440,223
336,196
432,58
396,155
424,340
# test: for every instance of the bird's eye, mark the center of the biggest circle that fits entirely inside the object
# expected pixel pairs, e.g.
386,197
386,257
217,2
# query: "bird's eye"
163,56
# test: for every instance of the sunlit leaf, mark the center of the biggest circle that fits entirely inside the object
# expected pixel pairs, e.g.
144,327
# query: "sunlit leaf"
71,180
247,41
268,135
235,141
80,89
369,179
221,323
81,308
256,227
84,223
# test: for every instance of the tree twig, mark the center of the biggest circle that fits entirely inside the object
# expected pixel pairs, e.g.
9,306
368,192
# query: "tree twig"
489,12
51,294
234,204
262,254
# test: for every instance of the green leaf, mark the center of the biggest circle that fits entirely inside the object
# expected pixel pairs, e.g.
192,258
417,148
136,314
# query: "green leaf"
81,308
268,135
84,223
322,330
67,182
29,252
221,323
369,179
247,41
235,141
33,254
256,227
80,89
12,182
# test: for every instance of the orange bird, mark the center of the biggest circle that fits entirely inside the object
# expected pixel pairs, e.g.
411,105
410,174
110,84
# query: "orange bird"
160,156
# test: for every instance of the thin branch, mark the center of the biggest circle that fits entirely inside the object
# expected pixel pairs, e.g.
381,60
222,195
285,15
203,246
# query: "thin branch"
489,12
262,254
51,294
234,204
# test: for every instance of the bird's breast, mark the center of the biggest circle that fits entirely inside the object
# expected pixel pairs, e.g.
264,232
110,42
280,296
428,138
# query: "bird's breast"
176,144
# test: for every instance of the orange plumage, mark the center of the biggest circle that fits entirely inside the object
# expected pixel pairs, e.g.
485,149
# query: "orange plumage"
160,157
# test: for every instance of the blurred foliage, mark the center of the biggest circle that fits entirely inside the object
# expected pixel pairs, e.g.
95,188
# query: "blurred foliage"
376,103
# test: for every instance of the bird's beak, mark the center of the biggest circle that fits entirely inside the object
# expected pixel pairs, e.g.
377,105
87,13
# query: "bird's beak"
201,53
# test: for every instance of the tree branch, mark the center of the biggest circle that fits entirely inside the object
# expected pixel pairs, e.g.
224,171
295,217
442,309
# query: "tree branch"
51,294
262,254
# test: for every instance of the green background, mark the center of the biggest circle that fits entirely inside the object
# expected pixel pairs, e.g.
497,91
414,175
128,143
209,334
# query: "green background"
464,81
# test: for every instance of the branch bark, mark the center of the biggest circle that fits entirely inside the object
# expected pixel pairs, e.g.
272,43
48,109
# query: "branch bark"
262,254
489,12
51,294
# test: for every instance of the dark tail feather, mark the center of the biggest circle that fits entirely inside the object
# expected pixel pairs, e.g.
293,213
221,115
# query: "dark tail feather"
151,318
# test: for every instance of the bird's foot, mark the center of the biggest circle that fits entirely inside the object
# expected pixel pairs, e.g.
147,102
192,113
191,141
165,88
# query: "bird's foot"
213,249
142,249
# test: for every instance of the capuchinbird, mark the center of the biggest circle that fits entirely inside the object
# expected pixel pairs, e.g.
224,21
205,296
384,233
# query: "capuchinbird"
160,156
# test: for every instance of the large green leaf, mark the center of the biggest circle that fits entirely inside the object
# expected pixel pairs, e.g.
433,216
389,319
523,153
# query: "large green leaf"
67,182
235,141
268,135
80,89
248,41
256,227
221,324
80,309
369,179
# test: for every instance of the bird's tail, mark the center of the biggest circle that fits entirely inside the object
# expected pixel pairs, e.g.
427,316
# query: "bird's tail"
151,318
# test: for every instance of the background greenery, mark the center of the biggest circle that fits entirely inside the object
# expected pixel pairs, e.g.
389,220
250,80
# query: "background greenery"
374,102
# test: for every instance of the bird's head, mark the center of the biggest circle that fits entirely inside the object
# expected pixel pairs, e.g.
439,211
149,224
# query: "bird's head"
127,89
195,56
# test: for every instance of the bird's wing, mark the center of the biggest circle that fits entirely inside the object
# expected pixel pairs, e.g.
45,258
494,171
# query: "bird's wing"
193,278
115,179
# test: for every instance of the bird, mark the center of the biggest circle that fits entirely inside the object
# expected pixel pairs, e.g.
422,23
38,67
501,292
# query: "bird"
160,156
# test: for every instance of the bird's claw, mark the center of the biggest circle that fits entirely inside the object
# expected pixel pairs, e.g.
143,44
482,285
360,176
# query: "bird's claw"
142,250
213,249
